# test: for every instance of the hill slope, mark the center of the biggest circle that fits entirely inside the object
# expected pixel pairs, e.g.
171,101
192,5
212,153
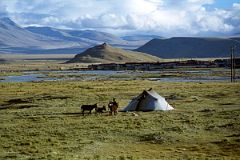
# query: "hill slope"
105,54
13,35
87,38
189,47
140,37
15,39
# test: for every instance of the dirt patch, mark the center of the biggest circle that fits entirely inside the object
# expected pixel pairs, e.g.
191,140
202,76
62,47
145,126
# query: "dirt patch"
27,102
229,125
207,110
227,104
49,97
234,135
30,99
228,146
24,106
17,101
21,106
216,95
175,97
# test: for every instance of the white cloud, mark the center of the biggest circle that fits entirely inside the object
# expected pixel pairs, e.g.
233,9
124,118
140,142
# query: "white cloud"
164,17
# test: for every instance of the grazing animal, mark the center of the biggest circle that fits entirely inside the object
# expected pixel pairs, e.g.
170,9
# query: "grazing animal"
88,108
100,109
113,106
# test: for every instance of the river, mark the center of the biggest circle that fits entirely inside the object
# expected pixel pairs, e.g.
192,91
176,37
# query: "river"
36,76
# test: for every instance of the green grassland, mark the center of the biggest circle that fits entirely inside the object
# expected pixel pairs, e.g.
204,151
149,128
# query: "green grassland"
16,63
42,120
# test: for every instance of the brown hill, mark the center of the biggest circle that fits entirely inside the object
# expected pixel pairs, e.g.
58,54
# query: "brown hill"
107,54
190,47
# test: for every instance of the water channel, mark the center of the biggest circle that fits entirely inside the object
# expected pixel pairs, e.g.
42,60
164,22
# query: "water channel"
36,76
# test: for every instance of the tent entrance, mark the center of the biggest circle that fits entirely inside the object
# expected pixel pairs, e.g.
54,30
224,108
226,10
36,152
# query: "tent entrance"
140,100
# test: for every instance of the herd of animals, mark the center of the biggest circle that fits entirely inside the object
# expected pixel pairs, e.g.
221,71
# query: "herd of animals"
112,106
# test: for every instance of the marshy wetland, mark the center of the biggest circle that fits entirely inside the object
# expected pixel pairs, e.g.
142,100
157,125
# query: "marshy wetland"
42,119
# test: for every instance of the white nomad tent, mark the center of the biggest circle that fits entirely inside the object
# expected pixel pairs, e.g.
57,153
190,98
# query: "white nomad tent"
148,101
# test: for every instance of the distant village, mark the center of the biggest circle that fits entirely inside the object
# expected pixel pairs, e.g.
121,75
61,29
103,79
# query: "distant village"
225,63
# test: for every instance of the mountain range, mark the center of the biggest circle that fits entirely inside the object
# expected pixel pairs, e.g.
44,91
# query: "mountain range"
190,47
105,53
16,39
141,37
44,40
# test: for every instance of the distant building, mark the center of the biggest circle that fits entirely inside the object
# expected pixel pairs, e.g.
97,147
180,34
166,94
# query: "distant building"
153,66
227,62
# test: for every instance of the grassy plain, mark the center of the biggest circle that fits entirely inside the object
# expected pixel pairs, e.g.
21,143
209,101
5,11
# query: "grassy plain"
42,120
16,63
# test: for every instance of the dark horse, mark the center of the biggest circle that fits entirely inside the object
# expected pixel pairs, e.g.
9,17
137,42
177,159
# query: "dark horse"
100,109
113,106
88,108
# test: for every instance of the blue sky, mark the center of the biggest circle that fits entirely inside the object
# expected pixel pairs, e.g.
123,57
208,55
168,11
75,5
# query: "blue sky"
123,17
224,4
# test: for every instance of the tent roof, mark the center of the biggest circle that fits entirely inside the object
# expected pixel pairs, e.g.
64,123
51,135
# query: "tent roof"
154,94
157,103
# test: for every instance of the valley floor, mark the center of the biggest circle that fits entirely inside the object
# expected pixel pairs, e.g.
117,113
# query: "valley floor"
42,120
